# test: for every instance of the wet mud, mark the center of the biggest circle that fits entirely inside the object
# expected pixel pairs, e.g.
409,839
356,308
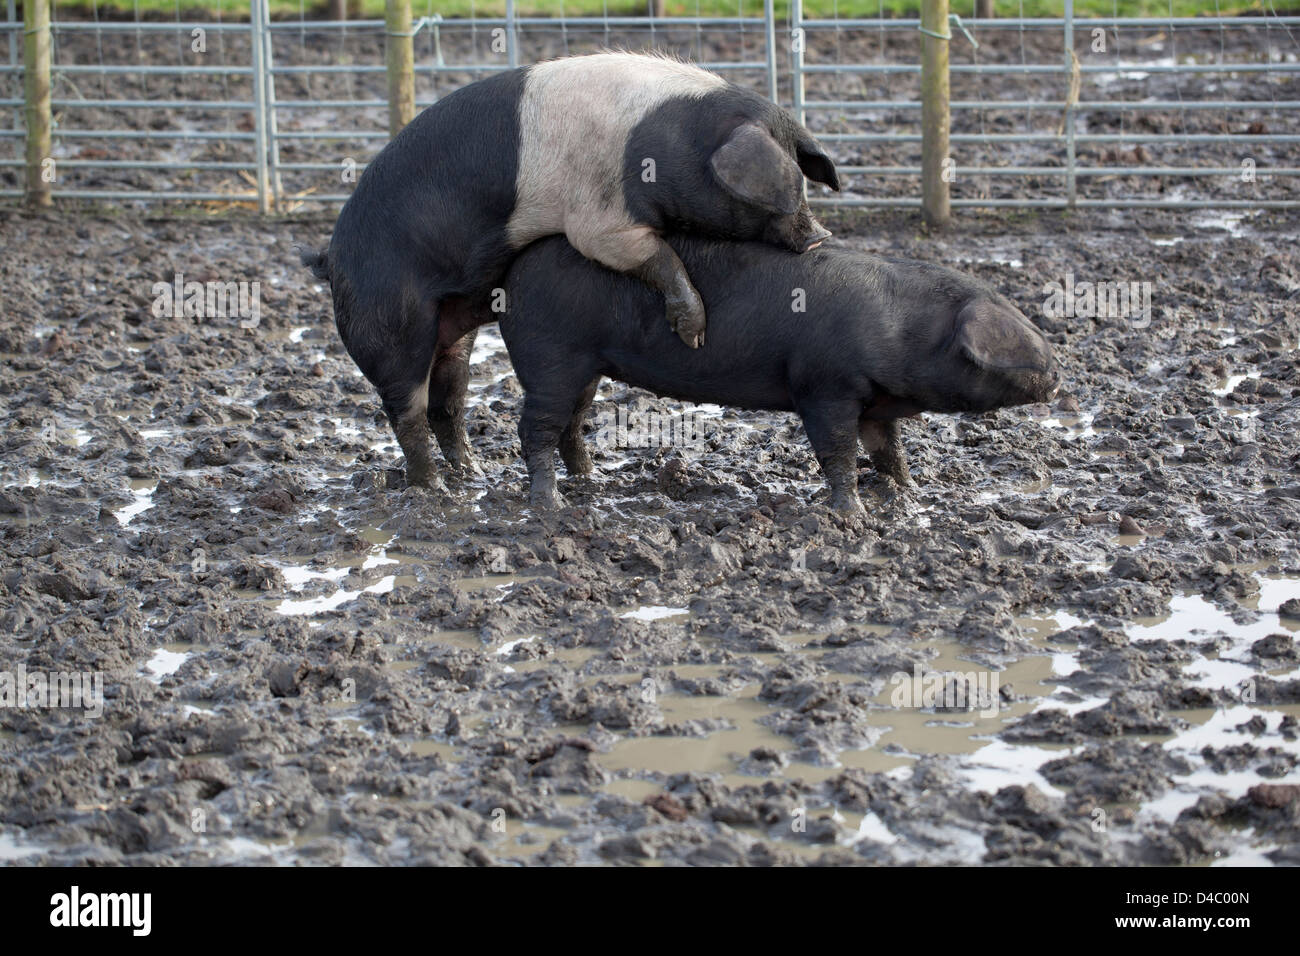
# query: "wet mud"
695,662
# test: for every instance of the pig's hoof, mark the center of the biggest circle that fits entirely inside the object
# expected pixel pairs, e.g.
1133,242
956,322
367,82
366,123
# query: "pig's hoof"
546,500
689,327
467,464
847,505
429,482
423,477
899,476
577,463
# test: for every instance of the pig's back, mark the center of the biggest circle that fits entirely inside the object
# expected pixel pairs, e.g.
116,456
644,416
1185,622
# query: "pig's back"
575,117
756,342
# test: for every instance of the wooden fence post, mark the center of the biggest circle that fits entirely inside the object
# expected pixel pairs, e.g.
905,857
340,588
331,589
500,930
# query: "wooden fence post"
935,123
36,99
400,60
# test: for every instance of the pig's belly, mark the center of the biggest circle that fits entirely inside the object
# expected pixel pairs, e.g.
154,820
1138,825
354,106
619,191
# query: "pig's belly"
700,377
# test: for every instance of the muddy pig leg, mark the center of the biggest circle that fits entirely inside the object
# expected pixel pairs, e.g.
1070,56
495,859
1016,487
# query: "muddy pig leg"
832,431
448,388
398,367
577,460
405,408
881,440
545,417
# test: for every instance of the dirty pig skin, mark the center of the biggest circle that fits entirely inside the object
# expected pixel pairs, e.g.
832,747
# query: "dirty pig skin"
882,339
609,150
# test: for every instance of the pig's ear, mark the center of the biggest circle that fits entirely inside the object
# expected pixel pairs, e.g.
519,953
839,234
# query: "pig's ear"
814,162
1000,339
751,166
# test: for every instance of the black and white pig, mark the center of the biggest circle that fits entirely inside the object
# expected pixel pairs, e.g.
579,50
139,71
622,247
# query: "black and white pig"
882,339
609,150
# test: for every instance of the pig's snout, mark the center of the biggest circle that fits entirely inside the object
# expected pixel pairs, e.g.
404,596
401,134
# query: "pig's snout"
798,232
1055,384
820,235
1011,350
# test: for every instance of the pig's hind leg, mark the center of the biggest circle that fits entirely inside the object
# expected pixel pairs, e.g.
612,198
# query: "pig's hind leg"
391,338
459,318
882,442
401,376
833,432
405,408
577,460
448,388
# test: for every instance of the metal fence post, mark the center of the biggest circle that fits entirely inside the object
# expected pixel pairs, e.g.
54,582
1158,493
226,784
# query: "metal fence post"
268,94
400,61
257,43
935,123
769,24
797,40
11,10
1071,65
512,47
36,98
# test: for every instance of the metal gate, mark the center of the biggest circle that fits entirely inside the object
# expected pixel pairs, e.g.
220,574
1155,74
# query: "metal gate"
1047,112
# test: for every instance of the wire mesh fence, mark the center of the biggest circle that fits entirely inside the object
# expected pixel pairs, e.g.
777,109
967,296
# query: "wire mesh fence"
239,110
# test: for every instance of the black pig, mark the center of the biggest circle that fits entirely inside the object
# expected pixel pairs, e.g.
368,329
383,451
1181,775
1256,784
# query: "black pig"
609,150
882,339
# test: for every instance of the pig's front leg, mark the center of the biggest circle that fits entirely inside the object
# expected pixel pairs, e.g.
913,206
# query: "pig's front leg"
540,425
832,429
665,272
638,251
881,440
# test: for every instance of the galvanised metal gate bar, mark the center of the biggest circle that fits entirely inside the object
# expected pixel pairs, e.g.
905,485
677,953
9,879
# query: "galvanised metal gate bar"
229,138
804,29
69,71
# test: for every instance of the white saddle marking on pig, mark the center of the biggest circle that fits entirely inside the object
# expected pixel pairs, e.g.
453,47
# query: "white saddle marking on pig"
575,117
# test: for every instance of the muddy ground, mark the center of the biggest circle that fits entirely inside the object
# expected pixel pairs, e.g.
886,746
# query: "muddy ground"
696,662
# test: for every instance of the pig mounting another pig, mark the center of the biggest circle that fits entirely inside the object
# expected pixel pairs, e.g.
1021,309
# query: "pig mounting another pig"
610,150
881,339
